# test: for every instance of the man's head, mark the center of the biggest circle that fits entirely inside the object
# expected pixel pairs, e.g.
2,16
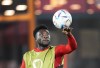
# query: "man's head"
42,35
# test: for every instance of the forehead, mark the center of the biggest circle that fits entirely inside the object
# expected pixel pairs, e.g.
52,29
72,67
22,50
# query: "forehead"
43,30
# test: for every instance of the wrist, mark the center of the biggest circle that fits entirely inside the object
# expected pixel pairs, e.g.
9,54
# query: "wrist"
69,34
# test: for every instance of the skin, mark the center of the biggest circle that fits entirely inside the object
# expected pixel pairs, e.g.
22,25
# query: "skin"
43,37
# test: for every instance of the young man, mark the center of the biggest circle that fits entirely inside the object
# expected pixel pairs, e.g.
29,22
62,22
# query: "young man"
44,55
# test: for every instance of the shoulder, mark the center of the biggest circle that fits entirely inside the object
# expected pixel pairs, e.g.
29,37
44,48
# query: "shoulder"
52,47
27,54
60,47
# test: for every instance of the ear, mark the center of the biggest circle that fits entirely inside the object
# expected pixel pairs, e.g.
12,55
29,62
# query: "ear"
35,38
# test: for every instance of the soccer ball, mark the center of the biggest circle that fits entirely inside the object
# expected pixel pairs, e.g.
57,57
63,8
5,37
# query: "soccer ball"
62,18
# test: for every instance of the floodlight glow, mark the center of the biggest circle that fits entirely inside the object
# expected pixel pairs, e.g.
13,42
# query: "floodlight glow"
21,7
6,2
90,1
98,6
9,12
75,7
47,7
90,11
38,12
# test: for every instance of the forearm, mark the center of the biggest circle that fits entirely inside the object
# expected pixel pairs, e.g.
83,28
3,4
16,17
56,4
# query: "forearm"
68,48
72,44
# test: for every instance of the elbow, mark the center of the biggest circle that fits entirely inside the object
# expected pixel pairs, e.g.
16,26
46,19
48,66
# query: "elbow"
75,47
72,49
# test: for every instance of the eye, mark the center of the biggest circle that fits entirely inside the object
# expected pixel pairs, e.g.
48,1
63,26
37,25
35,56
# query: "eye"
40,34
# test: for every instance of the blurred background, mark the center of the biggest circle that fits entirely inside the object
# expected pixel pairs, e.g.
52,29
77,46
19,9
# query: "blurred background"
18,18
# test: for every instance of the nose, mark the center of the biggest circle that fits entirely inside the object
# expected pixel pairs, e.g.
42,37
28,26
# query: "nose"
45,37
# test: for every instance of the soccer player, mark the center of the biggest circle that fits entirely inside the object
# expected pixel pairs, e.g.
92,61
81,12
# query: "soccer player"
44,55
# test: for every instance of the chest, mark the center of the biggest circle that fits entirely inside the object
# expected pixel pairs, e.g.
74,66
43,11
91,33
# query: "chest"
40,59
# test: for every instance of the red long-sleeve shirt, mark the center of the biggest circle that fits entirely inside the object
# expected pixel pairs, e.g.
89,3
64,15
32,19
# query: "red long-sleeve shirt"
60,50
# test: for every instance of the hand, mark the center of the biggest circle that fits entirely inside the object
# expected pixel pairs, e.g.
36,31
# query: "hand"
67,30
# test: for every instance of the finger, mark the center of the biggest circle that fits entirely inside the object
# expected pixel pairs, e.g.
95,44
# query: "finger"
68,29
65,32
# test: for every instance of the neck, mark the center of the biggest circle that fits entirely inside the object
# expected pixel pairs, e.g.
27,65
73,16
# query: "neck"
41,47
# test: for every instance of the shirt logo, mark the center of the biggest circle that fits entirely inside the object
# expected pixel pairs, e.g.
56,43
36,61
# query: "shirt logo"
37,63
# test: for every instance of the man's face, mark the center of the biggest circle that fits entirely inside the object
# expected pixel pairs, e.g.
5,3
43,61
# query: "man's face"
43,37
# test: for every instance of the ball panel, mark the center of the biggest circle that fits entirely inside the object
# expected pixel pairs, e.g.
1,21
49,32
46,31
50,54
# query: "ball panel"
62,18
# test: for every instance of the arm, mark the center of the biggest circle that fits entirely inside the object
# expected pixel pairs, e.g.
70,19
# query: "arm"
23,64
69,47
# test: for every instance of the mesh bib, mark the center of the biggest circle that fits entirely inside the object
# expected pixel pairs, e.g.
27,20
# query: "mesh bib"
44,59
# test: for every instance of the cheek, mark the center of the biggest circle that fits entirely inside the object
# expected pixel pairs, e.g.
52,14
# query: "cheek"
38,38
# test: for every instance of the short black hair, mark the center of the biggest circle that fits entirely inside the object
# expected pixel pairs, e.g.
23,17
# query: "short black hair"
38,28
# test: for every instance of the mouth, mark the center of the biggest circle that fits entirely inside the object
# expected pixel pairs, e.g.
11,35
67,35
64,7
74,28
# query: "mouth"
46,40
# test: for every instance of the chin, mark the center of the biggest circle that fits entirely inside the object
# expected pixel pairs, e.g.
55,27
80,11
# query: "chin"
46,44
